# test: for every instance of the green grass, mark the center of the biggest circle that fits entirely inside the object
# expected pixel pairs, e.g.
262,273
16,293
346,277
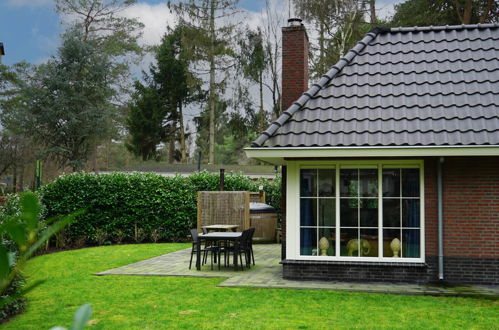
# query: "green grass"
124,302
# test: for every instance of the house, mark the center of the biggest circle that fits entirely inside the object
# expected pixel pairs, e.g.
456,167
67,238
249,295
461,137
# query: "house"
391,160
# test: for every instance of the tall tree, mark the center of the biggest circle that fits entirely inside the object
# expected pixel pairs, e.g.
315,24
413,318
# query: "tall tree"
65,105
103,22
254,63
156,113
273,19
339,24
145,121
213,31
445,12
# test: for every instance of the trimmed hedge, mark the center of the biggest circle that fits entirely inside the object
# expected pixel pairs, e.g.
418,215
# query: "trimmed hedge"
138,206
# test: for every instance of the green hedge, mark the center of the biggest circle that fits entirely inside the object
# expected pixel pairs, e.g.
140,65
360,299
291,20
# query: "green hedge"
138,206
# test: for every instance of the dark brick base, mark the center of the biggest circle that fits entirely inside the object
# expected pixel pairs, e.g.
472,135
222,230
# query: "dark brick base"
457,270
471,270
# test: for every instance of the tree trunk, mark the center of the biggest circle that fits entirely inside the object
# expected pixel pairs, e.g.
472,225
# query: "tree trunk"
372,7
262,112
322,49
211,155
182,135
171,153
21,178
14,177
468,8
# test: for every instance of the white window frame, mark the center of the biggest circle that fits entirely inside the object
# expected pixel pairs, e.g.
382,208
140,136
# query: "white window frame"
293,206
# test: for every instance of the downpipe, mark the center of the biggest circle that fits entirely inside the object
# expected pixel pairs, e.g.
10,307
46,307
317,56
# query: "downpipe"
440,219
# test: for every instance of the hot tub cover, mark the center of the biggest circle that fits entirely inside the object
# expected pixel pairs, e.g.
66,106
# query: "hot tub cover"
260,208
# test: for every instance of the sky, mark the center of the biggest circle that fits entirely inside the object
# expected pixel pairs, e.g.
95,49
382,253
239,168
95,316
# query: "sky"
30,29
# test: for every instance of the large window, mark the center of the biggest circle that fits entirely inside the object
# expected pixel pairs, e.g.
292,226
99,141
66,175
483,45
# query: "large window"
369,211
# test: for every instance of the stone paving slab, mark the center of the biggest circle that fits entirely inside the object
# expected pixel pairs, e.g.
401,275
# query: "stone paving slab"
268,274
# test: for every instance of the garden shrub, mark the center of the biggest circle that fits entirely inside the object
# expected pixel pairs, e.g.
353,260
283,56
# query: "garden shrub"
16,306
137,206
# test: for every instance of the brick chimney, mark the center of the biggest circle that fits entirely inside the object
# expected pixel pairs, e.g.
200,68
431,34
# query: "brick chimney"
294,62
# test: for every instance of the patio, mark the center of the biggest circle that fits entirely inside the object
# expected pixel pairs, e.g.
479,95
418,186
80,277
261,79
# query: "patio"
267,273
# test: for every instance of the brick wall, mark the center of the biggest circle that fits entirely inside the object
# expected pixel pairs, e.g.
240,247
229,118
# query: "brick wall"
294,64
471,207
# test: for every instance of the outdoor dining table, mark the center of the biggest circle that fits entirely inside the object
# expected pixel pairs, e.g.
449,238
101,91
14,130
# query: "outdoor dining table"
216,236
221,227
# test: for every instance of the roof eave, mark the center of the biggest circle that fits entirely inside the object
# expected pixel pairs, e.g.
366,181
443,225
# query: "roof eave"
279,155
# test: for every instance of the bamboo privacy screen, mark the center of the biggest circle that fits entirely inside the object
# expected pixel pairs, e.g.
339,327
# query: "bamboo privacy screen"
224,208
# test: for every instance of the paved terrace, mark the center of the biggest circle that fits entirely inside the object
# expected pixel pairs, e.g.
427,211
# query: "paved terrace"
267,273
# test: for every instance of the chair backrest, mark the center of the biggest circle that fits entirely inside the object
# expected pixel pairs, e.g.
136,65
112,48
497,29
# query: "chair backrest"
245,239
205,231
194,235
252,232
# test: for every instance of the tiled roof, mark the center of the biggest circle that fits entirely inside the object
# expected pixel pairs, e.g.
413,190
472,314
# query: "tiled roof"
421,86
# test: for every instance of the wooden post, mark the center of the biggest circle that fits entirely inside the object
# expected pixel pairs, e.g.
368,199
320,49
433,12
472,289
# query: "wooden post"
222,179
200,211
246,210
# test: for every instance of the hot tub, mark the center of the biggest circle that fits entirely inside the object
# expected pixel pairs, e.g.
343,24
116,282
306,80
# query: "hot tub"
264,218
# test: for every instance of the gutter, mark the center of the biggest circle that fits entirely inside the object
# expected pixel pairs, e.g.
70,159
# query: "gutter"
374,147
440,219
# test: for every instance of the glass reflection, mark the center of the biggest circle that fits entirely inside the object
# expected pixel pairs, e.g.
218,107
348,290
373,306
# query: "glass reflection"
349,213
368,182
327,212
391,212
349,182
326,182
410,182
368,212
391,182
308,183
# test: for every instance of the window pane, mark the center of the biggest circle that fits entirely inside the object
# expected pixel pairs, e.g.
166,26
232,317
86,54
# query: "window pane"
410,243
308,241
368,182
327,212
349,242
308,183
327,249
389,245
369,213
410,182
308,212
349,183
349,213
391,212
369,242
326,182
410,213
391,183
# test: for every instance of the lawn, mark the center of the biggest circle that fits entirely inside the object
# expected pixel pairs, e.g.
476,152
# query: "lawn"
132,302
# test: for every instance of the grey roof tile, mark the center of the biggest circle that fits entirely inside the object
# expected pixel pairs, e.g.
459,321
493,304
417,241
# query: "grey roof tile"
427,86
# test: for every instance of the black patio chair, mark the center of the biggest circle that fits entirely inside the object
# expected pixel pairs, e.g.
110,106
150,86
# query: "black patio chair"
240,247
250,243
212,249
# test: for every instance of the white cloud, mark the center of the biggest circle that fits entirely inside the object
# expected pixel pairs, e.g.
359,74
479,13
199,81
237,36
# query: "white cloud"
156,18
29,3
